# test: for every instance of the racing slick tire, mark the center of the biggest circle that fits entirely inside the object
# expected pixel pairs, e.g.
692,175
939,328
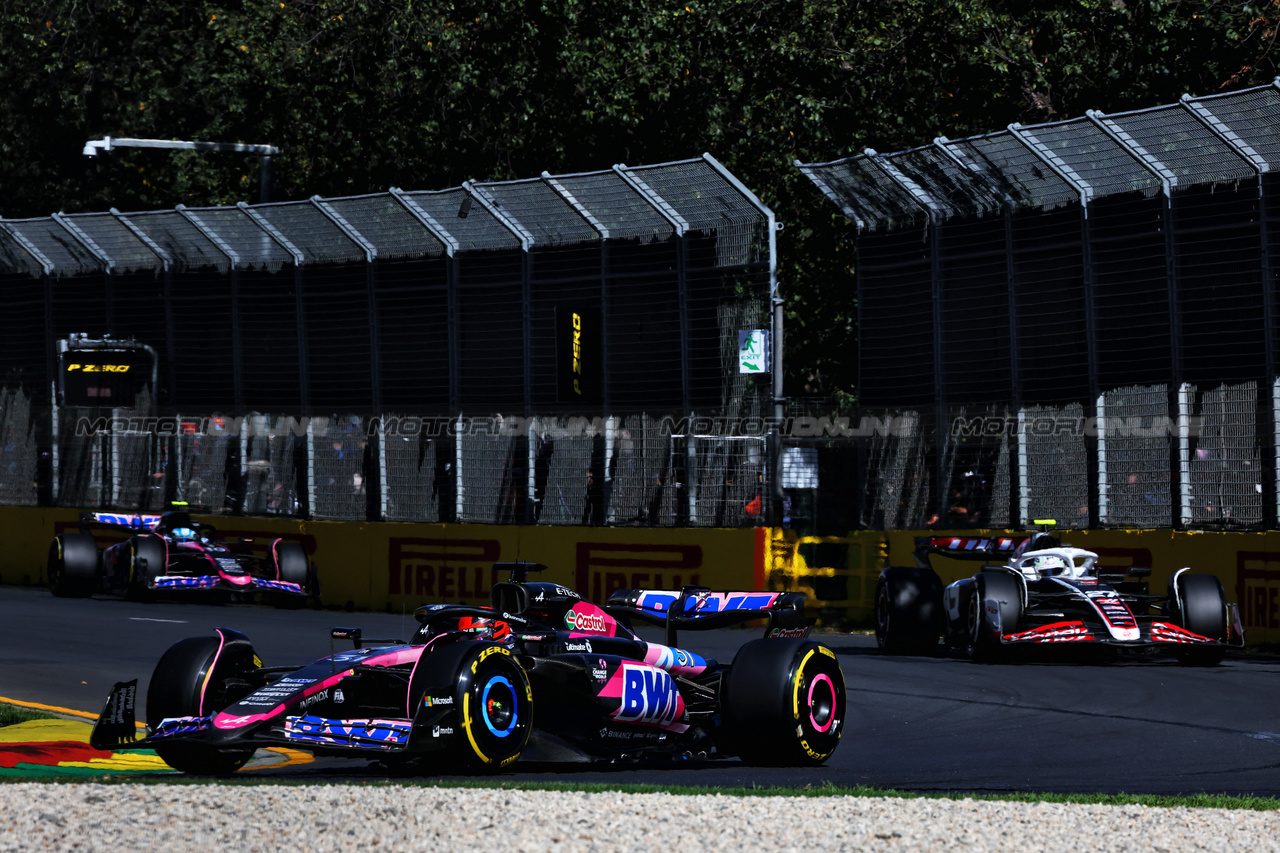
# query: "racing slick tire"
292,566
491,698
1004,588
1204,612
148,559
176,689
782,704
908,610
72,570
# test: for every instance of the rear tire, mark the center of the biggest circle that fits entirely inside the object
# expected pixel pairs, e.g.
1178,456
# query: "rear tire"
1204,612
1007,590
782,703
908,610
72,569
176,690
148,559
492,702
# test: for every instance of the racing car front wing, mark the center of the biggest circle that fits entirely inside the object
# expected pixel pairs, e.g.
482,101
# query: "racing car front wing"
1152,634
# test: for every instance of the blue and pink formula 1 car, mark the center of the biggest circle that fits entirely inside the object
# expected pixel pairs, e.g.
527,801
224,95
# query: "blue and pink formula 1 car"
173,552
540,673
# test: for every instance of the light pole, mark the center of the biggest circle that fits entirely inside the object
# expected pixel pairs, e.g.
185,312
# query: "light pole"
93,146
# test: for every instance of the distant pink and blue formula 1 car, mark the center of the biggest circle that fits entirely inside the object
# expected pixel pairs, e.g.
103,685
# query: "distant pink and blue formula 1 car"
540,671
173,552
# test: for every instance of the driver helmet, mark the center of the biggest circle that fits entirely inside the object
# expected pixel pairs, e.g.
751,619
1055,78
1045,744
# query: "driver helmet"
1048,564
483,628
184,534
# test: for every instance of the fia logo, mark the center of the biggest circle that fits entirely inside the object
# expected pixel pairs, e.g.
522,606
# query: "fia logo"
338,697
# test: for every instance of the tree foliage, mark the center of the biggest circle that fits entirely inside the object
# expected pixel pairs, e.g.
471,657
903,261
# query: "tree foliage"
362,95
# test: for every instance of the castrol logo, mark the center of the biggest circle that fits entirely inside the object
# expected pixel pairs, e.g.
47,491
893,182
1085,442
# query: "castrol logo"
587,623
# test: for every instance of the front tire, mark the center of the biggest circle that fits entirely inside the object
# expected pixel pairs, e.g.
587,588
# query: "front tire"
1007,591
72,569
1204,612
183,686
782,703
491,698
292,566
908,610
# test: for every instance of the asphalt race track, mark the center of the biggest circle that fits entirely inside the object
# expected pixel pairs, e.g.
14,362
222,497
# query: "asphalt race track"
923,724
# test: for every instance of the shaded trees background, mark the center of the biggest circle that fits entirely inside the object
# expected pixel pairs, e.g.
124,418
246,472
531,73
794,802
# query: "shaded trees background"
366,94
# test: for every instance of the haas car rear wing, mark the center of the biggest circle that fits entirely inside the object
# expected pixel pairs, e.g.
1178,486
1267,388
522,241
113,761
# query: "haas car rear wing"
983,548
697,608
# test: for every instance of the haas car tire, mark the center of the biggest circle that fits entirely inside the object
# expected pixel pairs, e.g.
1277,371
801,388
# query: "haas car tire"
782,703
148,560
1006,590
1204,612
908,610
491,701
73,565
183,686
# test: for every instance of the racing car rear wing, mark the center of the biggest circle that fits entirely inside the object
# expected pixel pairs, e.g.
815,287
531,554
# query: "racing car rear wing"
700,609
117,520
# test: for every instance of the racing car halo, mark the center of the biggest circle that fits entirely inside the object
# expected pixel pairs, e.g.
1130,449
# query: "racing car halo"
172,551
1048,595
475,686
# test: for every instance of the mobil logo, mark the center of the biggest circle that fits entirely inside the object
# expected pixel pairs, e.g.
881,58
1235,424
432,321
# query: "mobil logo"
586,618
648,697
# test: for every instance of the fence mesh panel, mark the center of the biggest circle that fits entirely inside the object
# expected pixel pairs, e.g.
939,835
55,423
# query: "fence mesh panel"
898,479
254,247
340,468
567,491
413,479
207,446
19,451
271,446
641,471
1226,476
1054,465
1015,170
1137,480
58,246
1176,139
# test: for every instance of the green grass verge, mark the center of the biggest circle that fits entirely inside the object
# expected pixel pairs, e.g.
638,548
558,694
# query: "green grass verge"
11,714
1201,801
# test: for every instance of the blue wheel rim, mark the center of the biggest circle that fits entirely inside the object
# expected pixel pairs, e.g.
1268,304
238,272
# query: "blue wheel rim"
484,707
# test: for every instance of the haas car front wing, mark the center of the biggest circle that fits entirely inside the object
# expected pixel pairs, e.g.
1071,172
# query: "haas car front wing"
1113,624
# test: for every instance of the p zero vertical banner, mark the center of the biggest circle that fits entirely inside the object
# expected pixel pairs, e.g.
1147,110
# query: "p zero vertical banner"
578,351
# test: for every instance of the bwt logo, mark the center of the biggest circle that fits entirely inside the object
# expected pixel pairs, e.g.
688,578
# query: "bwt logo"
648,696
442,568
1258,588
596,574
